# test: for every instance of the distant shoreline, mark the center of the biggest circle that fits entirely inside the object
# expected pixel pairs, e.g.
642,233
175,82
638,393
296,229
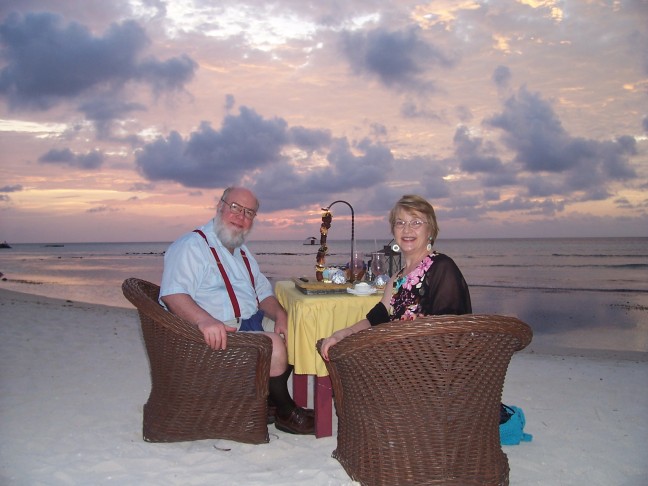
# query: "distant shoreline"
537,346
383,239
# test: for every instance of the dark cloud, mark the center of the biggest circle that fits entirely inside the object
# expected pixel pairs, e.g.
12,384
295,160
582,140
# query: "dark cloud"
102,111
169,75
101,209
378,130
623,202
502,77
230,102
308,139
210,158
541,145
400,59
249,146
13,188
410,109
546,207
464,114
351,169
472,153
48,61
141,187
91,160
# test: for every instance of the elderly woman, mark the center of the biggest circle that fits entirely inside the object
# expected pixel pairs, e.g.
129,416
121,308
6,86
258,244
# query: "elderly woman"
430,283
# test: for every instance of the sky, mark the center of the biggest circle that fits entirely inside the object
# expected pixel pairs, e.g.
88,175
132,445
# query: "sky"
125,120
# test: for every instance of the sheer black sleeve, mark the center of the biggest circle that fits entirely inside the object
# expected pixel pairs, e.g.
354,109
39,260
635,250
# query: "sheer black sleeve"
447,290
378,314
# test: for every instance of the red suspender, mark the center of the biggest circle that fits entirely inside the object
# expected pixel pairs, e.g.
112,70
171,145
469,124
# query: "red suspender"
228,284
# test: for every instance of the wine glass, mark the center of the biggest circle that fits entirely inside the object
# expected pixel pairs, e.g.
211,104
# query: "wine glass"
357,266
378,266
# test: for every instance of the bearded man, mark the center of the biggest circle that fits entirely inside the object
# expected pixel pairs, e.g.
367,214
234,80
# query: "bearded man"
213,281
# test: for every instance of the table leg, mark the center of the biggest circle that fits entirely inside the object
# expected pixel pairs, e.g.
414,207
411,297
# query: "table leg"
323,407
300,390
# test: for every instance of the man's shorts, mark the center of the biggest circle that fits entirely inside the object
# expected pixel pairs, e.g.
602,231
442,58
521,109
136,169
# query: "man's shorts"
256,323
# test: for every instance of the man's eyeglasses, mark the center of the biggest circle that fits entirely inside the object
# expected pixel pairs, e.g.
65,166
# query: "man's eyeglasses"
415,224
238,209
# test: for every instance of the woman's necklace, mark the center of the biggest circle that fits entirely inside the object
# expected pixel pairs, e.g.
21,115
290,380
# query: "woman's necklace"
402,275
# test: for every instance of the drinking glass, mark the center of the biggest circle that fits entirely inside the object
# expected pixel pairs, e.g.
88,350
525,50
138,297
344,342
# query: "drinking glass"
378,264
357,266
379,270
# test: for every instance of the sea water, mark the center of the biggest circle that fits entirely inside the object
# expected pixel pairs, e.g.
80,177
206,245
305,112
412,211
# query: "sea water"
585,292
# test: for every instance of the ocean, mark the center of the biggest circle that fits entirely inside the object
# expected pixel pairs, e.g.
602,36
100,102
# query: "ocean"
575,292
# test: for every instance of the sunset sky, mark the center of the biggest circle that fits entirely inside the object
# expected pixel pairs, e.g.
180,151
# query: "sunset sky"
124,120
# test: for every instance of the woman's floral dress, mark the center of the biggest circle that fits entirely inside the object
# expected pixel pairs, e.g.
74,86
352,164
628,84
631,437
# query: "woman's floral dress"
435,287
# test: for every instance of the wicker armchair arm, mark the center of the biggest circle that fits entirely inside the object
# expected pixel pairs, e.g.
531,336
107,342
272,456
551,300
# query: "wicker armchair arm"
446,324
143,295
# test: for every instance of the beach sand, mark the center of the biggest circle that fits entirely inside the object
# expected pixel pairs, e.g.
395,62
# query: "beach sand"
74,378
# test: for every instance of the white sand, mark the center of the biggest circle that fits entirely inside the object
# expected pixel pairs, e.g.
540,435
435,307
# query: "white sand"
74,378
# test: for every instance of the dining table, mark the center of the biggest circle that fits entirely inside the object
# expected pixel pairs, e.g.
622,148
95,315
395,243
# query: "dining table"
313,316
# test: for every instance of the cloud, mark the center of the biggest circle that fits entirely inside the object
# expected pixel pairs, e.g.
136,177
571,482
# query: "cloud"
308,139
502,77
211,158
351,169
101,209
48,61
399,59
91,160
13,188
102,111
532,130
410,109
252,150
470,152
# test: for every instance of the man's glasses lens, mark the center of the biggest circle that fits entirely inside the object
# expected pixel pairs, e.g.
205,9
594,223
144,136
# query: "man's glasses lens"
238,209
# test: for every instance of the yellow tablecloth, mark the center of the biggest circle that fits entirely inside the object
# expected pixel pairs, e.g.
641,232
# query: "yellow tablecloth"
312,317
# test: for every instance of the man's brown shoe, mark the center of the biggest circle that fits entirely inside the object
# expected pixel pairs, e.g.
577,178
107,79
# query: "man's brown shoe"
272,414
300,421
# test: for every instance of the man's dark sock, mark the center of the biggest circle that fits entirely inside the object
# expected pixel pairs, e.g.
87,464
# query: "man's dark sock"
280,395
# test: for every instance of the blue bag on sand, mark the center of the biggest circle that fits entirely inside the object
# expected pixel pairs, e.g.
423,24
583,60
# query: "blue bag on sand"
512,429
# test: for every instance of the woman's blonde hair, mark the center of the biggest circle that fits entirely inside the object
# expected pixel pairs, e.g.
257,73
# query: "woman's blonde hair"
411,203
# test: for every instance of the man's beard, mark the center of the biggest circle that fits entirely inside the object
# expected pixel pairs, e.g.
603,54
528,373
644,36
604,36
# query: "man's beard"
231,238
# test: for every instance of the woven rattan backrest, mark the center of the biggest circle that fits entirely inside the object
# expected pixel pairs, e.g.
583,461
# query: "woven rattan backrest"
197,392
418,401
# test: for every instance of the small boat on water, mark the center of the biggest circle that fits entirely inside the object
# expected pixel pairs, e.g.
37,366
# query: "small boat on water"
4,244
311,240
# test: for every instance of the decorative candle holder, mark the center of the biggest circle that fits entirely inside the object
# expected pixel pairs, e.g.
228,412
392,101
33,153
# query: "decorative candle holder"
326,224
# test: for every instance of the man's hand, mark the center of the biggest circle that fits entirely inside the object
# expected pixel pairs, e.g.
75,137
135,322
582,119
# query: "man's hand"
281,326
272,308
215,333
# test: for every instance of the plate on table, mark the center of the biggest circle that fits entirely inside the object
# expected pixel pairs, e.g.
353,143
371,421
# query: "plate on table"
362,293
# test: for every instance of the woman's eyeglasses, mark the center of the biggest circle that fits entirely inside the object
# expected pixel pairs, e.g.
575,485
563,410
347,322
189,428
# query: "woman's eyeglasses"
415,224
238,209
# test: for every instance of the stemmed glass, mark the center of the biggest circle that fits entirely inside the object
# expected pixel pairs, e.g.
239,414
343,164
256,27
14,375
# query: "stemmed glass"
378,266
357,266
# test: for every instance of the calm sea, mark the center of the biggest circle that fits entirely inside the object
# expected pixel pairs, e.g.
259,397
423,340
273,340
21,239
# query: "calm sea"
578,292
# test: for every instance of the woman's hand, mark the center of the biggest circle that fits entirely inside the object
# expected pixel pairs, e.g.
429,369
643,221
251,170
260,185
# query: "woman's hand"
328,342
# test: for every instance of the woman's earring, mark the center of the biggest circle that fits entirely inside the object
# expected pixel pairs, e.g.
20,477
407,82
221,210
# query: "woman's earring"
429,245
395,248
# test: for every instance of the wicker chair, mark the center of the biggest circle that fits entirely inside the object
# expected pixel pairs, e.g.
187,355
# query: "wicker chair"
418,401
196,392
